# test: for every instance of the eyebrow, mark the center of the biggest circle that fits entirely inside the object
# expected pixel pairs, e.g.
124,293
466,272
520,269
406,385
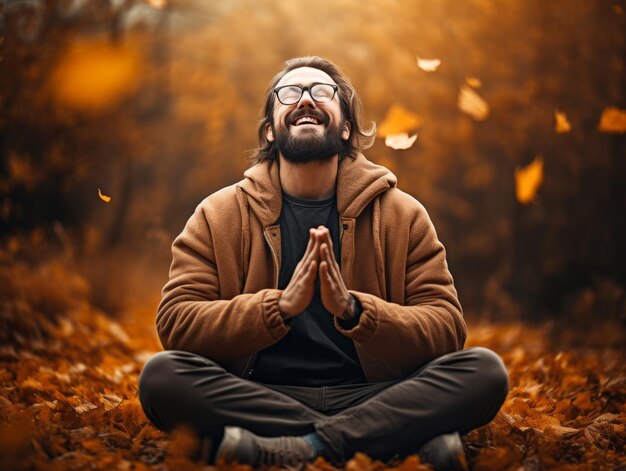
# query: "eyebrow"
301,84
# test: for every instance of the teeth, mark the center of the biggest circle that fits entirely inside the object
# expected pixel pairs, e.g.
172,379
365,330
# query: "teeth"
306,119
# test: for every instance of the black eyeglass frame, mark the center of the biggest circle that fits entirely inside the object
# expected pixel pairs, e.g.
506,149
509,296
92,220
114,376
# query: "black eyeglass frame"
307,89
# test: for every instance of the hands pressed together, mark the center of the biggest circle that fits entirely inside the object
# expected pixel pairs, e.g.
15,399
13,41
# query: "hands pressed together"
318,258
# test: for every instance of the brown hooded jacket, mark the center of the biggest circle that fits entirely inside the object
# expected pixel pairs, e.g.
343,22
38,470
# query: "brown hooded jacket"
221,300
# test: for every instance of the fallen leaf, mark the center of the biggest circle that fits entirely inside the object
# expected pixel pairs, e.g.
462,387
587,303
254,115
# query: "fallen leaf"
110,401
561,123
84,407
104,198
472,103
118,332
400,141
399,120
613,120
31,383
528,180
562,431
428,65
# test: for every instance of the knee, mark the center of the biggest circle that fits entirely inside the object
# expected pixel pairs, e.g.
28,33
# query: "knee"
155,374
493,374
160,377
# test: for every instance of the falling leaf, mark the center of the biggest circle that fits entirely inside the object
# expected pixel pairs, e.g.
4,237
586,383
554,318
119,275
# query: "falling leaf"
400,141
158,4
472,103
104,198
613,120
528,180
561,123
399,120
473,82
428,65
93,75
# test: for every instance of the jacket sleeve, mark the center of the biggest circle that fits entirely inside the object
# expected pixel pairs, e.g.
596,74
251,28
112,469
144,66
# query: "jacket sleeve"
191,316
430,321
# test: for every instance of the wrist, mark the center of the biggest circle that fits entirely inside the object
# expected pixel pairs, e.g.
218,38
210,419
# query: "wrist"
350,310
283,308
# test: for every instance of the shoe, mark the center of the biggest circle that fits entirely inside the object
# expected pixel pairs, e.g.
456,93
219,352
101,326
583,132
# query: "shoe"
245,447
444,452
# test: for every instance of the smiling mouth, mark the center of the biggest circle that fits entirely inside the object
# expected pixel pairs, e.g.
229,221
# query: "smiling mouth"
306,120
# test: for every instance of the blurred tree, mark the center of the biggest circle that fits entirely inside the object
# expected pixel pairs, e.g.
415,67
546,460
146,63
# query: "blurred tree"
178,127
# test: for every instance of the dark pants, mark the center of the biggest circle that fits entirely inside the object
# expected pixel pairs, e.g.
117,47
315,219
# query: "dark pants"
459,391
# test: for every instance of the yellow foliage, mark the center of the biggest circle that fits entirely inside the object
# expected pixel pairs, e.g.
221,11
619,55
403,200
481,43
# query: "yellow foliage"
528,180
399,120
95,74
613,120
105,198
561,123
400,141
472,103
428,65
473,82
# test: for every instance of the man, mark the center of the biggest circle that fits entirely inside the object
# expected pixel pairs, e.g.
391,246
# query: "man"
310,311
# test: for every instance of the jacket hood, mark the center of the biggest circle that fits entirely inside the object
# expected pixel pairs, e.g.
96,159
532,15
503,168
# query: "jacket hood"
358,182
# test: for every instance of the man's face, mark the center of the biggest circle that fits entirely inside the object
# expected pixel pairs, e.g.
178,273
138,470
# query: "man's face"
303,140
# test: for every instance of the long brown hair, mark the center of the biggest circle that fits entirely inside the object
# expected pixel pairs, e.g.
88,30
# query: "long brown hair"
351,110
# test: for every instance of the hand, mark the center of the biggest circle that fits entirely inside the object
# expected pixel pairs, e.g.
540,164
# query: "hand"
298,294
335,296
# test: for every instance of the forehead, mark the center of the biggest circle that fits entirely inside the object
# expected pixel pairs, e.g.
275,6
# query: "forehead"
304,76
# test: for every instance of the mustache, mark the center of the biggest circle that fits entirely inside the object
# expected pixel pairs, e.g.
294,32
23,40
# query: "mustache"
319,115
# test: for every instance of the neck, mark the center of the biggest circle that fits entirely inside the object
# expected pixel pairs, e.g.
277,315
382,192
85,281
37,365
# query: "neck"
312,180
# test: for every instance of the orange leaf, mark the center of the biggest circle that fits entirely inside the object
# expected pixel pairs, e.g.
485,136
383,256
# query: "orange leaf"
104,198
399,120
528,180
158,4
473,82
561,123
613,120
472,103
95,74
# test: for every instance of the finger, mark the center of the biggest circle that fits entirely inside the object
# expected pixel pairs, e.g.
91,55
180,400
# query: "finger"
329,256
325,277
325,234
334,269
312,248
306,252
311,272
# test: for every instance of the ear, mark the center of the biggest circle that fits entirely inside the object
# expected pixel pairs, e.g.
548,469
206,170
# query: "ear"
347,128
269,134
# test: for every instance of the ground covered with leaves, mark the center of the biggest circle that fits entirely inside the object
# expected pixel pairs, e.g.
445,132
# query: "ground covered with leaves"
68,396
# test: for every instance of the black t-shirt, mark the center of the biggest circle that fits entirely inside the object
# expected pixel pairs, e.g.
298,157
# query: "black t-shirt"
313,353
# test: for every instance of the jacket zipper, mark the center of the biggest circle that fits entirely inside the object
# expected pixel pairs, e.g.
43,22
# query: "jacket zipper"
247,371
274,256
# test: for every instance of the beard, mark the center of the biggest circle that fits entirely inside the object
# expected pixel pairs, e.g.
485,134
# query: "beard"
309,147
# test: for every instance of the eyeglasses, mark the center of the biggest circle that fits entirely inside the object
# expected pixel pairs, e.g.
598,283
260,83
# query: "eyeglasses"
319,92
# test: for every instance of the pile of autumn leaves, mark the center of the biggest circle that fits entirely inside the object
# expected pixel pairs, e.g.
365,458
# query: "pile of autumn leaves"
69,390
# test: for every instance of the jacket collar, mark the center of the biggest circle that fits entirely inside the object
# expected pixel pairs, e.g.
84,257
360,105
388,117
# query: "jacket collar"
358,182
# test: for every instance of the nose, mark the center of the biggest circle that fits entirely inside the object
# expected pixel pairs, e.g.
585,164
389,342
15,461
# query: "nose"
306,100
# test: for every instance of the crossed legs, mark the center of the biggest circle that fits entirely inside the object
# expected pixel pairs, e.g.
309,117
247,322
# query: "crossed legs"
458,391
